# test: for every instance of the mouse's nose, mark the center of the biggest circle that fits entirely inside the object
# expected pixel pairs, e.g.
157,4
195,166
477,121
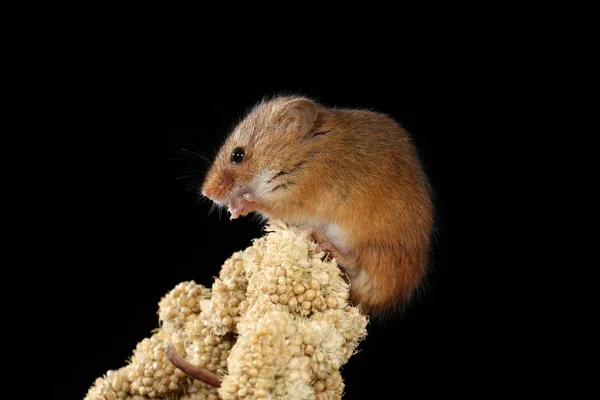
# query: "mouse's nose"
217,185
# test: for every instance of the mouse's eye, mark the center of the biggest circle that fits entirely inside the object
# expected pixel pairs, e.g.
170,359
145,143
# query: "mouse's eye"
237,155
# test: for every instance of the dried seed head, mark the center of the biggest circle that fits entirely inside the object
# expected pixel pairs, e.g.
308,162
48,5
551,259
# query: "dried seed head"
276,322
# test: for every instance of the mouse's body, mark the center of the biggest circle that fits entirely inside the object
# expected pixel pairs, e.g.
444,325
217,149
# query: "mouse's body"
352,175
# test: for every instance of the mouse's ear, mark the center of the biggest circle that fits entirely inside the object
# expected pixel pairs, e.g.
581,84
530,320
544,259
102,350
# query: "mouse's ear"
300,115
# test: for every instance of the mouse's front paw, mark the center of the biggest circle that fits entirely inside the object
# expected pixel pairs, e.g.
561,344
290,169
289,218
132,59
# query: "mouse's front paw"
323,243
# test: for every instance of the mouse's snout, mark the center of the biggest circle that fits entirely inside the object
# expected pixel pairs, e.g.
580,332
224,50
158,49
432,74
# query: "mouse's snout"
223,188
217,185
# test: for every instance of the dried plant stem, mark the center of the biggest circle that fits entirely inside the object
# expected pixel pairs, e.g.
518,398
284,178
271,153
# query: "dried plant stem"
198,373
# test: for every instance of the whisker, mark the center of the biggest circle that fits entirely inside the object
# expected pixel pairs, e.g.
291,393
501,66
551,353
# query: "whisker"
191,174
197,171
197,155
187,141
188,159
201,198
191,158
195,185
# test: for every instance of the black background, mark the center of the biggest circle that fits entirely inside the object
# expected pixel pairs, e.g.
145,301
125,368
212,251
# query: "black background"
121,229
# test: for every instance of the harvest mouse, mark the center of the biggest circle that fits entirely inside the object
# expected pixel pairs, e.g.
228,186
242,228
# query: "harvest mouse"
352,177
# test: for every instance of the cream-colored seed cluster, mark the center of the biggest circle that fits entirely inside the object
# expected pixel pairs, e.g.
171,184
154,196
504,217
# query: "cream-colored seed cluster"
222,312
290,277
276,324
281,357
202,347
149,373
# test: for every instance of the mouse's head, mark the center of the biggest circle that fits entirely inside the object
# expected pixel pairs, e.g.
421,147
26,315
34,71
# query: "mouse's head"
257,167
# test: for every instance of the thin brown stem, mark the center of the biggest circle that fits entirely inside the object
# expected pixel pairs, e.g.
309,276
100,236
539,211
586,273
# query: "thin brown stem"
201,374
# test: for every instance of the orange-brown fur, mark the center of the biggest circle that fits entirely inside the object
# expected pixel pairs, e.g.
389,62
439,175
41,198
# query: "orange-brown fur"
353,174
